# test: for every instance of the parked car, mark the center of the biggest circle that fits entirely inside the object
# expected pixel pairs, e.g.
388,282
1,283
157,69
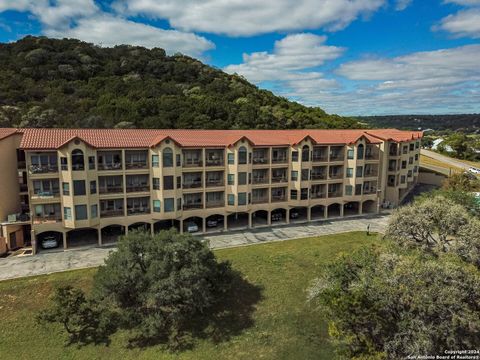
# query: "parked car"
277,216
474,170
49,242
294,214
212,223
192,227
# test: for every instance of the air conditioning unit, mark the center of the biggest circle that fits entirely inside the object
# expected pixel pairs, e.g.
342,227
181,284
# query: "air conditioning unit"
12,218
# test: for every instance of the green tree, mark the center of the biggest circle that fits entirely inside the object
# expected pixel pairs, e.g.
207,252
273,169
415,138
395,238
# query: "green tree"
388,305
461,182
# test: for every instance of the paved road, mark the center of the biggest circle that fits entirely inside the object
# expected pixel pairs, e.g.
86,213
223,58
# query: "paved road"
46,263
447,160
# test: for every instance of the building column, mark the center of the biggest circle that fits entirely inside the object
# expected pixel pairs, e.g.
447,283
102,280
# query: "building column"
99,237
325,212
152,232
33,239
64,235
181,226
360,210
204,225
341,210
225,220
287,216
309,214
250,220
269,218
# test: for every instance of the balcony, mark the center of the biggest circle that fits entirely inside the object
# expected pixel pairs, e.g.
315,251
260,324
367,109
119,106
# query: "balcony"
111,213
261,156
110,166
279,175
318,195
138,188
192,158
279,198
334,194
109,160
138,210
215,204
279,179
21,164
110,189
260,180
337,153
22,187
214,182
47,219
320,154
133,165
260,200
279,156
214,157
319,176
46,194
42,169
136,159
372,153
335,174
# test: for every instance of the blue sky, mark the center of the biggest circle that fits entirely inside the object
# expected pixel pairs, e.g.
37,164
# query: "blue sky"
351,57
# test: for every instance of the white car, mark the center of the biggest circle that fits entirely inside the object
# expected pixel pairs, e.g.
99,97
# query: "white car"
474,170
49,242
192,227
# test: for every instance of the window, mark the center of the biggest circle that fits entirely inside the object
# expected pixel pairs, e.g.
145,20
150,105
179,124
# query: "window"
179,159
417,144
294,175
79,187
412,146
64,163
93,187
231,158
349,172
156,183
305,174
179,204
91,162
304,194
360,151
156,206
231,199
155,161
67,213
168,183
179,182
81,212
242,198
348,190
358,189
167,157
359,171
242,178
169,205
94,211
350,154
410,160
405,149
242,155
294,156
305,153
249,178
77,160
293,194
231,179
416,157
66,188
404,164
402,179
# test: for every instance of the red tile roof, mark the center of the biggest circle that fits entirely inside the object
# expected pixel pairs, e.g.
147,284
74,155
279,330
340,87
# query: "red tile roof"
6,132
43,139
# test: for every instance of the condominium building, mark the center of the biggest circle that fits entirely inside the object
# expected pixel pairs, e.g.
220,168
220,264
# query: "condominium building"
84,185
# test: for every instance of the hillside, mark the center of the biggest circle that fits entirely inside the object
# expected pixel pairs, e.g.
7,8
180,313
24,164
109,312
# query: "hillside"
68,83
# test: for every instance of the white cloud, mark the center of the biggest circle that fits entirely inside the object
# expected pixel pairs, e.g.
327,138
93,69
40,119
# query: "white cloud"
83,19
465,23
248,17
402,4
464,2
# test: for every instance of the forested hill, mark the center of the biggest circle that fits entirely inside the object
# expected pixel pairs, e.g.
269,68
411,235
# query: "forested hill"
68,83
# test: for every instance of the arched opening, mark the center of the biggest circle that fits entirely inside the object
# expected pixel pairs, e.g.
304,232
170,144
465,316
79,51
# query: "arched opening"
351,208
333,211
82,237
305,153
193,224
111,234
242,155
78,162
167,157
369,207
278,216
317,212
215,222
141,226
237,221
166,225
299,214
260,218
360,151
49,240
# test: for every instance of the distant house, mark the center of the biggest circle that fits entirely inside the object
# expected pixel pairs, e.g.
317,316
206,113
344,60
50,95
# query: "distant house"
437,142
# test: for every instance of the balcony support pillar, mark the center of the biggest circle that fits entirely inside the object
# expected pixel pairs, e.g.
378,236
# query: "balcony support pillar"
269,218
341,209
99,236
181,226
287,216
309,214
249,220
64,238
204,225
325,212
225,220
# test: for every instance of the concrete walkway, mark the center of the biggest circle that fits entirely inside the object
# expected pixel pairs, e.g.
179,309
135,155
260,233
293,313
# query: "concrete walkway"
46,263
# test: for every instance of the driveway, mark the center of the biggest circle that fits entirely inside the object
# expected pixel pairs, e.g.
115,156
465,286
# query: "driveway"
46,263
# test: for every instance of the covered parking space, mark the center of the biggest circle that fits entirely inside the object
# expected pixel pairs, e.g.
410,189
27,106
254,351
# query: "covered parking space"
299,214
278,216
140,226
214,222
351,208
238,220
193,224
369,207
82,237
49,240
163,225
334,210
111,234
260,218
317,212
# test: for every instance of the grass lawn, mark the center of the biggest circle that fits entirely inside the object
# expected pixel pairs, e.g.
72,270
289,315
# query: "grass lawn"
284,325
425,160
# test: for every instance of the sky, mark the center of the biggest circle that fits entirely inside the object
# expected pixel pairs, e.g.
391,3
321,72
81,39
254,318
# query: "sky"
350,57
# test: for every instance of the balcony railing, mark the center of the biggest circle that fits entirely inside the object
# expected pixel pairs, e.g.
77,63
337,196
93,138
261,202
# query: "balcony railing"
47,219
319,176
136,165
23,187
192,184
336,157
214,204
337,175
333,194
278,198
372,156
279,179
111,213
46,194
43,169
369,191
138,188
370,174
260,180
21,164
318,195
260,160
214,182
260,200
279,160
192,206
110,190
136,211
192,163
110,166
319,158
214,162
